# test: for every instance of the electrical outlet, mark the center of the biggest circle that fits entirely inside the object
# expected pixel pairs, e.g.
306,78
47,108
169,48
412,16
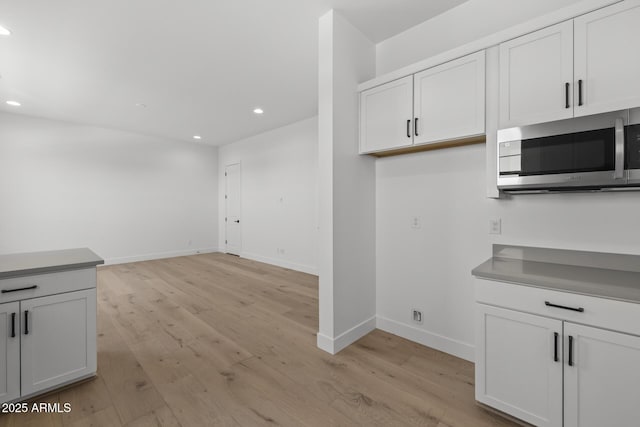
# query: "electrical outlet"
416,316
495,226
416,222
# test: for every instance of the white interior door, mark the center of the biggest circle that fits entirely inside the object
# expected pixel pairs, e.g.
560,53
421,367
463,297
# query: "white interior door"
601,383
233,213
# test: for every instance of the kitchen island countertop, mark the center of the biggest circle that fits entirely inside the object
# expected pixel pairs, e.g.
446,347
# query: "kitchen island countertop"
26,264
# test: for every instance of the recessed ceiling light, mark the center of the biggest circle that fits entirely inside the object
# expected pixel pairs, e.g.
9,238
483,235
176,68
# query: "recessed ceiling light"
258,111
141,105
14,103
4,31
197,137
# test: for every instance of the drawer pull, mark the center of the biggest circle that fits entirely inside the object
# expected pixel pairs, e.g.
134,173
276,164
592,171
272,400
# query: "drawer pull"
548,304
6,291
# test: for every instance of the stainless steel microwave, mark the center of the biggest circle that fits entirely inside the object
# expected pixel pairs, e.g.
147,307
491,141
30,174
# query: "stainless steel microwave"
593,153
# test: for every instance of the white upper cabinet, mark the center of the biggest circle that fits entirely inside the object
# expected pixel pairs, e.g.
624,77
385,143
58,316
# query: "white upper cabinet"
536,75
386,115
442,103
605,59
576,68
449,100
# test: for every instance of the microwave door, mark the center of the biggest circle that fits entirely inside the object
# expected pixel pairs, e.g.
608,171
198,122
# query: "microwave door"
575,153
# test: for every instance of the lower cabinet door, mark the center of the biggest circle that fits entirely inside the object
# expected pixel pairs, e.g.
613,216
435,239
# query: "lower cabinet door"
58,339
602,377
519,364
9,351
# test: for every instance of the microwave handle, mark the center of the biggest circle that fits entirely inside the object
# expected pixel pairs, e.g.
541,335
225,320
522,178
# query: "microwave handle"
619,141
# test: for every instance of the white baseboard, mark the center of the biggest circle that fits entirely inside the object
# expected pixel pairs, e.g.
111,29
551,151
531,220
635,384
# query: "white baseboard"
430,339
281,263
158,255
334,345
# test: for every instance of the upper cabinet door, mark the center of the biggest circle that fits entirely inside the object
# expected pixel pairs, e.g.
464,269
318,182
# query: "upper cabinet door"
386,116
605,60
536,74
449,100
601,377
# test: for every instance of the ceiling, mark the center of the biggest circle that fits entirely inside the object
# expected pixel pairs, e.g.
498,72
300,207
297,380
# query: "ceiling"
199,66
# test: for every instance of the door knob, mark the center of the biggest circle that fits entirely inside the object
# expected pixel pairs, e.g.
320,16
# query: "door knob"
237,220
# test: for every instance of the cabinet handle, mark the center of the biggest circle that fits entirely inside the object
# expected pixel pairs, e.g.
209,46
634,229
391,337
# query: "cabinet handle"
548,304
415,126
580,92
570,351
409,128
13,325
26,322
555,347
6,291
566,95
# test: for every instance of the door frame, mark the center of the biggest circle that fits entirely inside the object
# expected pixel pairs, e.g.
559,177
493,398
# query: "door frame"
226,207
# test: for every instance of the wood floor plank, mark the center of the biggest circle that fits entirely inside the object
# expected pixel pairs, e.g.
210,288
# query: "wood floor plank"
161,417
105,417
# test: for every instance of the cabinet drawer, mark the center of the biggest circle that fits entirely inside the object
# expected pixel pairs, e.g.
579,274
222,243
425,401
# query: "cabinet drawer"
47,284
600,312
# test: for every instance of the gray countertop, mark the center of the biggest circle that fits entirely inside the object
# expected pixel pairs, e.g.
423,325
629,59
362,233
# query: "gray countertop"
26,264
620,283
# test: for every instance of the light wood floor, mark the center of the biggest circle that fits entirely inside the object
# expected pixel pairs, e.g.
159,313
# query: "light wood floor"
218,340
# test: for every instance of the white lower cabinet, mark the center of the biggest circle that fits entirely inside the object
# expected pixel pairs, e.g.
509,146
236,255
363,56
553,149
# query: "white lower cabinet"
518,369
546,367
58,341
50,340
9,351
602,382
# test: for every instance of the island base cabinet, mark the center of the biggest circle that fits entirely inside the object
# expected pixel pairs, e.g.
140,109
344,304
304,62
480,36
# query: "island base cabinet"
519,364
58,340
601,375
9,351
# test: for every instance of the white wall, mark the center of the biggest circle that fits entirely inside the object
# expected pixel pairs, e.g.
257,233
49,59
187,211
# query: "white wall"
124,195
467,22
347,188
429,268
279,195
